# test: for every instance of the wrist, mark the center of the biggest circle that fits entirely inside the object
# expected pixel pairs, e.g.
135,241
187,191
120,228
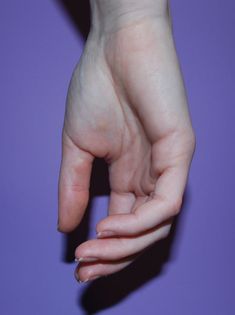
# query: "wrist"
108,16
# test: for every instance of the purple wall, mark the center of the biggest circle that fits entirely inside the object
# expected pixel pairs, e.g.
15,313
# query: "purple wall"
192,272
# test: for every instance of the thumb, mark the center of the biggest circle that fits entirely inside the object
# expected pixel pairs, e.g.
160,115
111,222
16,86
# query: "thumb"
74,182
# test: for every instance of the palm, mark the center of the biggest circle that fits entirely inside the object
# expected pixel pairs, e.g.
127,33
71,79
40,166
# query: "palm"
126,103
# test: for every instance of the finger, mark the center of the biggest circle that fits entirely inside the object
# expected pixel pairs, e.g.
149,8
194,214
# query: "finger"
164,203
74,181
103,249
118,203
89,271
121,202
140,200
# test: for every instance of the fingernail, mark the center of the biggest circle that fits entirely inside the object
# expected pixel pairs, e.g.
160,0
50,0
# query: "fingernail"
85,259
90,279
83,281
105,234
77,278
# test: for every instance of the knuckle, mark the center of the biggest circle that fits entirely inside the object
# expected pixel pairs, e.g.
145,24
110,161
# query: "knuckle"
65,227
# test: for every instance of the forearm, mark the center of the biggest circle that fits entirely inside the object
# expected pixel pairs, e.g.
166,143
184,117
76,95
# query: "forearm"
111,15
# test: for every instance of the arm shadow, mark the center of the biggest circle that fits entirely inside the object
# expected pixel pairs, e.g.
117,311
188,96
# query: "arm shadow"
108,291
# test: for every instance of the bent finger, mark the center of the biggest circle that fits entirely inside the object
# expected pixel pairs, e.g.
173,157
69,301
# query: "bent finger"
88,271
120,203
165,202
114,249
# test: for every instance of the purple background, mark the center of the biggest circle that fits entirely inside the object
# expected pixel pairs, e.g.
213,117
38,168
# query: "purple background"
192,272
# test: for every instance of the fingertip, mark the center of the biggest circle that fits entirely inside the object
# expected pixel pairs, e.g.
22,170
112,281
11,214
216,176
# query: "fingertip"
107,225
63,228
118,225
72,206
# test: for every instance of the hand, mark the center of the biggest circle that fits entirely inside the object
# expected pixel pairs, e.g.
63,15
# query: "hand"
127,104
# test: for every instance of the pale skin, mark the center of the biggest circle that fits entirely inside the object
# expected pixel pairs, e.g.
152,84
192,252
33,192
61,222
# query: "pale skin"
127,104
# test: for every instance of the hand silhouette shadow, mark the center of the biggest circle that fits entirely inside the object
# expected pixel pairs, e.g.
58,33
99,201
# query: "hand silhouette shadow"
105,292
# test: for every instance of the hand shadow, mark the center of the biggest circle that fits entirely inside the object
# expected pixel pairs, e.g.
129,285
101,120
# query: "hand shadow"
106,292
